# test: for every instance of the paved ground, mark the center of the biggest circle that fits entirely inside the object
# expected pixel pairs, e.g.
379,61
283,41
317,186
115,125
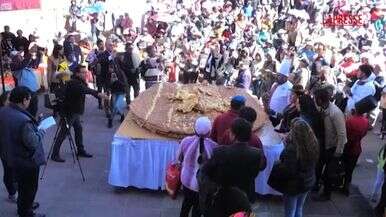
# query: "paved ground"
63,194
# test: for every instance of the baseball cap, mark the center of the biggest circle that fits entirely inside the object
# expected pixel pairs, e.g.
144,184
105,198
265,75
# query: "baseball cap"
237,102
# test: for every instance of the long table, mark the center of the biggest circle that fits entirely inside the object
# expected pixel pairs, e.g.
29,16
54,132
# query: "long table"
139,158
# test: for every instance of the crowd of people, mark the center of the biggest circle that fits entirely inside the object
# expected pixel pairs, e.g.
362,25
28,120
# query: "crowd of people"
322,87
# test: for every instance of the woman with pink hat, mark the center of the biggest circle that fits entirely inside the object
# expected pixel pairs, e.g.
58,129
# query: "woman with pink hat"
194,151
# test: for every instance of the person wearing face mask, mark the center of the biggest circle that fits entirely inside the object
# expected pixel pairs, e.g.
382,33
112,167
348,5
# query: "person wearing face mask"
21,145
280,93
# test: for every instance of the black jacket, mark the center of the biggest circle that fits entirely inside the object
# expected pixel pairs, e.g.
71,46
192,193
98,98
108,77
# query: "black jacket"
300,176
235,166
74,98
21,42
229,201
104,61
126,65
20,141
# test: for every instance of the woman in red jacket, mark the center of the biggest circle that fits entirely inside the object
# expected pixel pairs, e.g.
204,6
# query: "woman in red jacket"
356,128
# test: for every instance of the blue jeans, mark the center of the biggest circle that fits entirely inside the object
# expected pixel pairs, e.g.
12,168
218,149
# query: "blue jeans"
293,205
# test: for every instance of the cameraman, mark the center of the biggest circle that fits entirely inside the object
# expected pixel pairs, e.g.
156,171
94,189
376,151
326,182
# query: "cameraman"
71,111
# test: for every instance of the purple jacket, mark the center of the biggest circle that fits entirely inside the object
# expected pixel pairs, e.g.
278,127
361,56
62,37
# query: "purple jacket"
189,148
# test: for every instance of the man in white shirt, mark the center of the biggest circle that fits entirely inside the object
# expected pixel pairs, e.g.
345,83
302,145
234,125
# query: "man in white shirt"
362,88
280,92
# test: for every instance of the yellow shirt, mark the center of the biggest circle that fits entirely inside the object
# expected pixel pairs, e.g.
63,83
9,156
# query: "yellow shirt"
64,73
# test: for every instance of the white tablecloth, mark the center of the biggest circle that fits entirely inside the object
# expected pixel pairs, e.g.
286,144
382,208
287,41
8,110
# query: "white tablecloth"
273,147
272,153
140,163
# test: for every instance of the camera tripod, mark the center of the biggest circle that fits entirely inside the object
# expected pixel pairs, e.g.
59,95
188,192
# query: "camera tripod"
64,123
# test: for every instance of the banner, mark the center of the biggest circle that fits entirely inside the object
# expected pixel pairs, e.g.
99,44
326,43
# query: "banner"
10,5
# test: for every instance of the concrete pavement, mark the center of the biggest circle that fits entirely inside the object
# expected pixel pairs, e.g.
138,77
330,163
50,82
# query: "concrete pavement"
63,194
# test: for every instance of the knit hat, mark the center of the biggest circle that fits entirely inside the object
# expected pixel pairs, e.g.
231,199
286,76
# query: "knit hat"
285,67
203,126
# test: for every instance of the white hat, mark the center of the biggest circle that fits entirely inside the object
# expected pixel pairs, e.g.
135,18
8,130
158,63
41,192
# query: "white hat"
203,126
285,67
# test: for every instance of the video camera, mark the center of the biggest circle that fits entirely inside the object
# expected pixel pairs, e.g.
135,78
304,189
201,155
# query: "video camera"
55,100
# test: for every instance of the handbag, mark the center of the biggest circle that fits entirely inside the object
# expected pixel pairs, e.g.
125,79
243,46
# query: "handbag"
336,172
243,214
277,179
366,104
173,179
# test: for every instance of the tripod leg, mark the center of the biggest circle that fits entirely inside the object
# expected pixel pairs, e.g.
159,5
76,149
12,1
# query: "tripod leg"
72,145
68,135
73,152
50,152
